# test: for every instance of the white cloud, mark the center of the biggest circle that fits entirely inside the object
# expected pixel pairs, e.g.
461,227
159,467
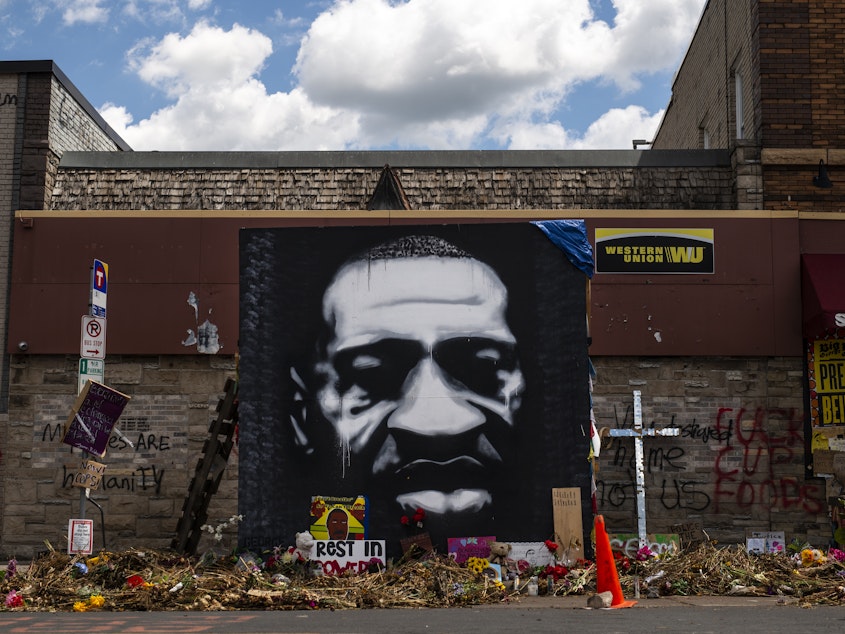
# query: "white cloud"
614,130
219,102
434,74
87,11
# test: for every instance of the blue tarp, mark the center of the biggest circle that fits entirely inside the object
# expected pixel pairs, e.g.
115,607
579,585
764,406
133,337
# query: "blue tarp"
570,236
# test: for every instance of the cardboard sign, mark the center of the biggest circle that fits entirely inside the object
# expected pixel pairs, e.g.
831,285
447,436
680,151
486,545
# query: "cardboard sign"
92,418
765,542
90,475
355,555
80,537
422,541
530,555
462,548
569,528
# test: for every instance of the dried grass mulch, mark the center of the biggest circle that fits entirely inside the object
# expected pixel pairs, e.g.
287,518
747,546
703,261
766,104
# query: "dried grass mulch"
136,580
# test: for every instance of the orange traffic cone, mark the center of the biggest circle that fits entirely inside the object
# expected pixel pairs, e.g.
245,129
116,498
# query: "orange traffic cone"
607,579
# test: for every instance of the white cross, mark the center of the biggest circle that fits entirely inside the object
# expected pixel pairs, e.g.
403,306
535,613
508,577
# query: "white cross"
638,433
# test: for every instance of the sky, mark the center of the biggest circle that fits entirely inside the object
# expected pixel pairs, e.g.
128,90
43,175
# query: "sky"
241,75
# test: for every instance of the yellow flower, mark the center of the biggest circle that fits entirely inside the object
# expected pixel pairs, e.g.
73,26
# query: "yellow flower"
80,606
97,601
807,557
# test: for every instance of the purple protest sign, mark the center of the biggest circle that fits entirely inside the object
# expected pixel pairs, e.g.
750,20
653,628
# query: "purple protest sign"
93,417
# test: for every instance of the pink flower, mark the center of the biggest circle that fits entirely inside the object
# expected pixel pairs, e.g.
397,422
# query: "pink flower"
14,600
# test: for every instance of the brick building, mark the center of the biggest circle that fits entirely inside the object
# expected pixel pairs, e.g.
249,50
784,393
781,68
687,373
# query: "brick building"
727,355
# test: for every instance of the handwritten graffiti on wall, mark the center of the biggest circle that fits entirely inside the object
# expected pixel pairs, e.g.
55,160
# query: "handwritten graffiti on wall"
664,463
746,474
9,100
143,442
127,477
140,479
756,452
629,545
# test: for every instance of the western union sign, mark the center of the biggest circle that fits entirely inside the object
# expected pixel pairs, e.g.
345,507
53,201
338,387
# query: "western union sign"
662,251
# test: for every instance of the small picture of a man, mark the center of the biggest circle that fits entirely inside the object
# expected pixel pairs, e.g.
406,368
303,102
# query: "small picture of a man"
337,524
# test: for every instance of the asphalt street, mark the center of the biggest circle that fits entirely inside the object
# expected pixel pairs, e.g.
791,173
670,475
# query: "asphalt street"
530,615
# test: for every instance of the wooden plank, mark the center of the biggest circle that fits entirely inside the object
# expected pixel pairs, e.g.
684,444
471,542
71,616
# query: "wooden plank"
209,472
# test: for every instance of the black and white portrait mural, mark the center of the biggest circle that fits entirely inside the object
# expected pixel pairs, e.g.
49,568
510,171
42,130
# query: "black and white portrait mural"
441,368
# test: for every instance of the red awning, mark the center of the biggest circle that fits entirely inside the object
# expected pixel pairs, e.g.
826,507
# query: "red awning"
822,292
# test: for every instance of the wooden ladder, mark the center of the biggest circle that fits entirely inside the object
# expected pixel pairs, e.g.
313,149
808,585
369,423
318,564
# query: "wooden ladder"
209,472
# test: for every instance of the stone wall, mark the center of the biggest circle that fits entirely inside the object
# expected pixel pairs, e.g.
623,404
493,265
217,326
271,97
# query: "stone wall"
173,401
737,463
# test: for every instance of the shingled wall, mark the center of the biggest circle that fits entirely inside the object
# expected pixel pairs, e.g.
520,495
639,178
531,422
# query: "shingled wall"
296,185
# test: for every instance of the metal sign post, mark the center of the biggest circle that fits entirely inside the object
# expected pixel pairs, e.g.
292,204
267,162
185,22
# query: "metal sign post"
92,346
638,433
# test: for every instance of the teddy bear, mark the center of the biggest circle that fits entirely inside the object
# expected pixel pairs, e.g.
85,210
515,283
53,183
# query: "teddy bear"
499,552
304,544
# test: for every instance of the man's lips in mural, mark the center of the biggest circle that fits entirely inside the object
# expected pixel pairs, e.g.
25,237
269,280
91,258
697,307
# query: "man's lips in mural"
444,475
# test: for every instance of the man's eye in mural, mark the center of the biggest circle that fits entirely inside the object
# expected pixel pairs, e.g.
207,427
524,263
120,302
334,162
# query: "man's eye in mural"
479,364
380,370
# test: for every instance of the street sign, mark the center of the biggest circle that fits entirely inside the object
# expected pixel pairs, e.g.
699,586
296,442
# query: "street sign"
99,288
92,344
93,369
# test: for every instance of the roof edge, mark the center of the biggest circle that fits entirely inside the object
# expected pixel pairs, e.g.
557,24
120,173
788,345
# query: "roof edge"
397,159
49,66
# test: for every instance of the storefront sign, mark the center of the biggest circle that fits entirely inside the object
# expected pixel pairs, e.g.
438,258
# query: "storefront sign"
661,251
827,386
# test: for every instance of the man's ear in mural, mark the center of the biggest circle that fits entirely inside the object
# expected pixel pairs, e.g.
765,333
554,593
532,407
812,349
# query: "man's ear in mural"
299,412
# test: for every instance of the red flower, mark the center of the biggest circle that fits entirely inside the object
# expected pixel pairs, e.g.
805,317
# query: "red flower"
134,581
552,546
14,600
405,521
555,572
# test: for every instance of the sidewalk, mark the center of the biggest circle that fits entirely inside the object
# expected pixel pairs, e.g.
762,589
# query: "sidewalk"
579,602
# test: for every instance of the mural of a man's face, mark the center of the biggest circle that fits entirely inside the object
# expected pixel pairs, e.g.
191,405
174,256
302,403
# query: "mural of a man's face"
420,379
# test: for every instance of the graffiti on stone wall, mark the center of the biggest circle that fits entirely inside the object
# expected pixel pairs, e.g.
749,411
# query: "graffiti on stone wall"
746,472
756,450
664,463
129,478
143,442
139,479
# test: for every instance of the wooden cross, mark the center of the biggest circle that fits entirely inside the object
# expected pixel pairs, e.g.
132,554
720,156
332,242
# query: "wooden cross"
638,433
